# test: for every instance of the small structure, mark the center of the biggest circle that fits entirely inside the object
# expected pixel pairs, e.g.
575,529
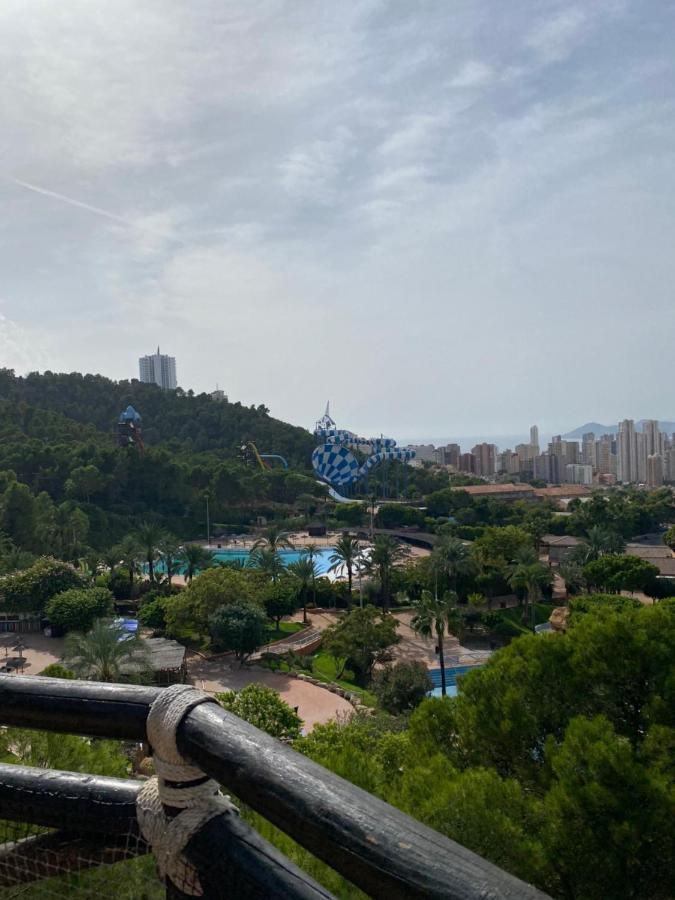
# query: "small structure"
129,429
163,657
499,491
558,546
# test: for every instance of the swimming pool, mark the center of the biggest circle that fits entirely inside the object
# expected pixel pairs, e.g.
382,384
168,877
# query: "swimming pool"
452,673
321,557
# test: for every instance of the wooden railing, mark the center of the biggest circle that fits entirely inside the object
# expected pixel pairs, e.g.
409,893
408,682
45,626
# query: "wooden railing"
376,847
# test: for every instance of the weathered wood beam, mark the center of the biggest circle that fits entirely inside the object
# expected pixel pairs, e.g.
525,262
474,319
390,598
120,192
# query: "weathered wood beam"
380,849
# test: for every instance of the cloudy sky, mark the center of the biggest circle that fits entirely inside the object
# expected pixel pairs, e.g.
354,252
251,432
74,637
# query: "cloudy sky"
449,217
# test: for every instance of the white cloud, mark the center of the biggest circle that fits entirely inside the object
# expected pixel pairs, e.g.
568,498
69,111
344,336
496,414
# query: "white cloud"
473,73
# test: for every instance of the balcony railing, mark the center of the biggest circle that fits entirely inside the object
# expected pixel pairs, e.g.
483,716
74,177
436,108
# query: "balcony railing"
376,847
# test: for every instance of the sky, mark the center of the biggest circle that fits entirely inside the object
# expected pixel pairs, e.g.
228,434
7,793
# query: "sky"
448,218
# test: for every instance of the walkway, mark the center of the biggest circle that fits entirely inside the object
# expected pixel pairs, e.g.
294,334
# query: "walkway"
416,648
315,705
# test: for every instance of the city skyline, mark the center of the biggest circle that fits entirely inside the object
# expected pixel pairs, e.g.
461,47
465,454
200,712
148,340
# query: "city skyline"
476,203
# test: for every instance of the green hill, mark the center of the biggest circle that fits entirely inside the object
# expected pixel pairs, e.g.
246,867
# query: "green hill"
62,473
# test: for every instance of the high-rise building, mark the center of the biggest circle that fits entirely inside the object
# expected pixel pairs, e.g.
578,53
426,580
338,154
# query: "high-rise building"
534,440
578,474
654,470
486,459
467,462
158,369
642,454
588,449
627,471
669,465
449,455
605,458
652,435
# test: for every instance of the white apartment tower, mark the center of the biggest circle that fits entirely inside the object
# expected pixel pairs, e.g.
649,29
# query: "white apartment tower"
534,439
158,369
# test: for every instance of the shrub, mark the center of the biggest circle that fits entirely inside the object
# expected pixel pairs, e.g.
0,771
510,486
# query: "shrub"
30,589
56,670
264,708
401,687
240,627
152,614
78,608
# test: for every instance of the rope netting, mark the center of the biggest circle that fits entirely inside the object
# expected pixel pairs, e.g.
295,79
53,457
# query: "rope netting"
43,864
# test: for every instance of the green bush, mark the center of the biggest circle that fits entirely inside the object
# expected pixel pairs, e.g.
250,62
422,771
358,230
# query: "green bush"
152,614
351,513
264,708
402,687
240,627
56,670
30,589
78,608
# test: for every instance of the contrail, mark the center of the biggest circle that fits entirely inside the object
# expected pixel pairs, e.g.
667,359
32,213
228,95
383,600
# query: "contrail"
92,209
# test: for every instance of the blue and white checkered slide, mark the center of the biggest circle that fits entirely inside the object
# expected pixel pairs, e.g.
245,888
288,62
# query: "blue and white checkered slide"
334,462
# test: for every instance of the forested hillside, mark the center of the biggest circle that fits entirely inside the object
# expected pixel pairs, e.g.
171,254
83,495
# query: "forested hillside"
181,419
65,485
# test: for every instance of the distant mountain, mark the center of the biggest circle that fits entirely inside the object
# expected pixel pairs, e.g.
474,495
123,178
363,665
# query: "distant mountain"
598,429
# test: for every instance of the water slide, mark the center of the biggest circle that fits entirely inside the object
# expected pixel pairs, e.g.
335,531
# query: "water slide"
334,462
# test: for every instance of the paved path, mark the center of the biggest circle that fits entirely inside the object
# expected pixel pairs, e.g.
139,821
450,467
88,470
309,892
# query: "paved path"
314,704
414,647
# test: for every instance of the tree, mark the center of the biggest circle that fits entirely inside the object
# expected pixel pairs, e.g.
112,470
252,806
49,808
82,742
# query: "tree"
129,554
669,538
152,613
190,611
385,555
361,639
599,542
620,573
528,574
78,608
304,572
267,561
609,816
195,558
84,481
346,552
432,616
103,653
169,552
450,559
274,538
402,687
30,589
280,601
56,670
264,708
149,537
240,627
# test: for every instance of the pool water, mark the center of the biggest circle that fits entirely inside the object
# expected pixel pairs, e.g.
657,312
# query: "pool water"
452,673
321,557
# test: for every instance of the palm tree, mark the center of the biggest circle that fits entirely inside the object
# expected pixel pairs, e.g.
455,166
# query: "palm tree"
111,559
433,615
149,537
385,555
304,570
274,538
598,542
194,558
101,654
129,554
450,558
267,561
169,551
346,553
528,574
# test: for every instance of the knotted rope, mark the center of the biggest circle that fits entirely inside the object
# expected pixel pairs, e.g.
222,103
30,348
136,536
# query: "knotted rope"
177,784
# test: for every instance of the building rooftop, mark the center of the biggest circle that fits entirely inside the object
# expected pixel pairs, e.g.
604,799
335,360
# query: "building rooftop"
563,490
162,655
496,489
649,552
561,540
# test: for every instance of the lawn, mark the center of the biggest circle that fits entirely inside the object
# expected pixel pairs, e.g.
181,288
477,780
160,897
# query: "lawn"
323,668
514,617
285,630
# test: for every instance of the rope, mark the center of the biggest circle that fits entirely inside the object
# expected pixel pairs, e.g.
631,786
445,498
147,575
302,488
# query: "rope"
177,784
